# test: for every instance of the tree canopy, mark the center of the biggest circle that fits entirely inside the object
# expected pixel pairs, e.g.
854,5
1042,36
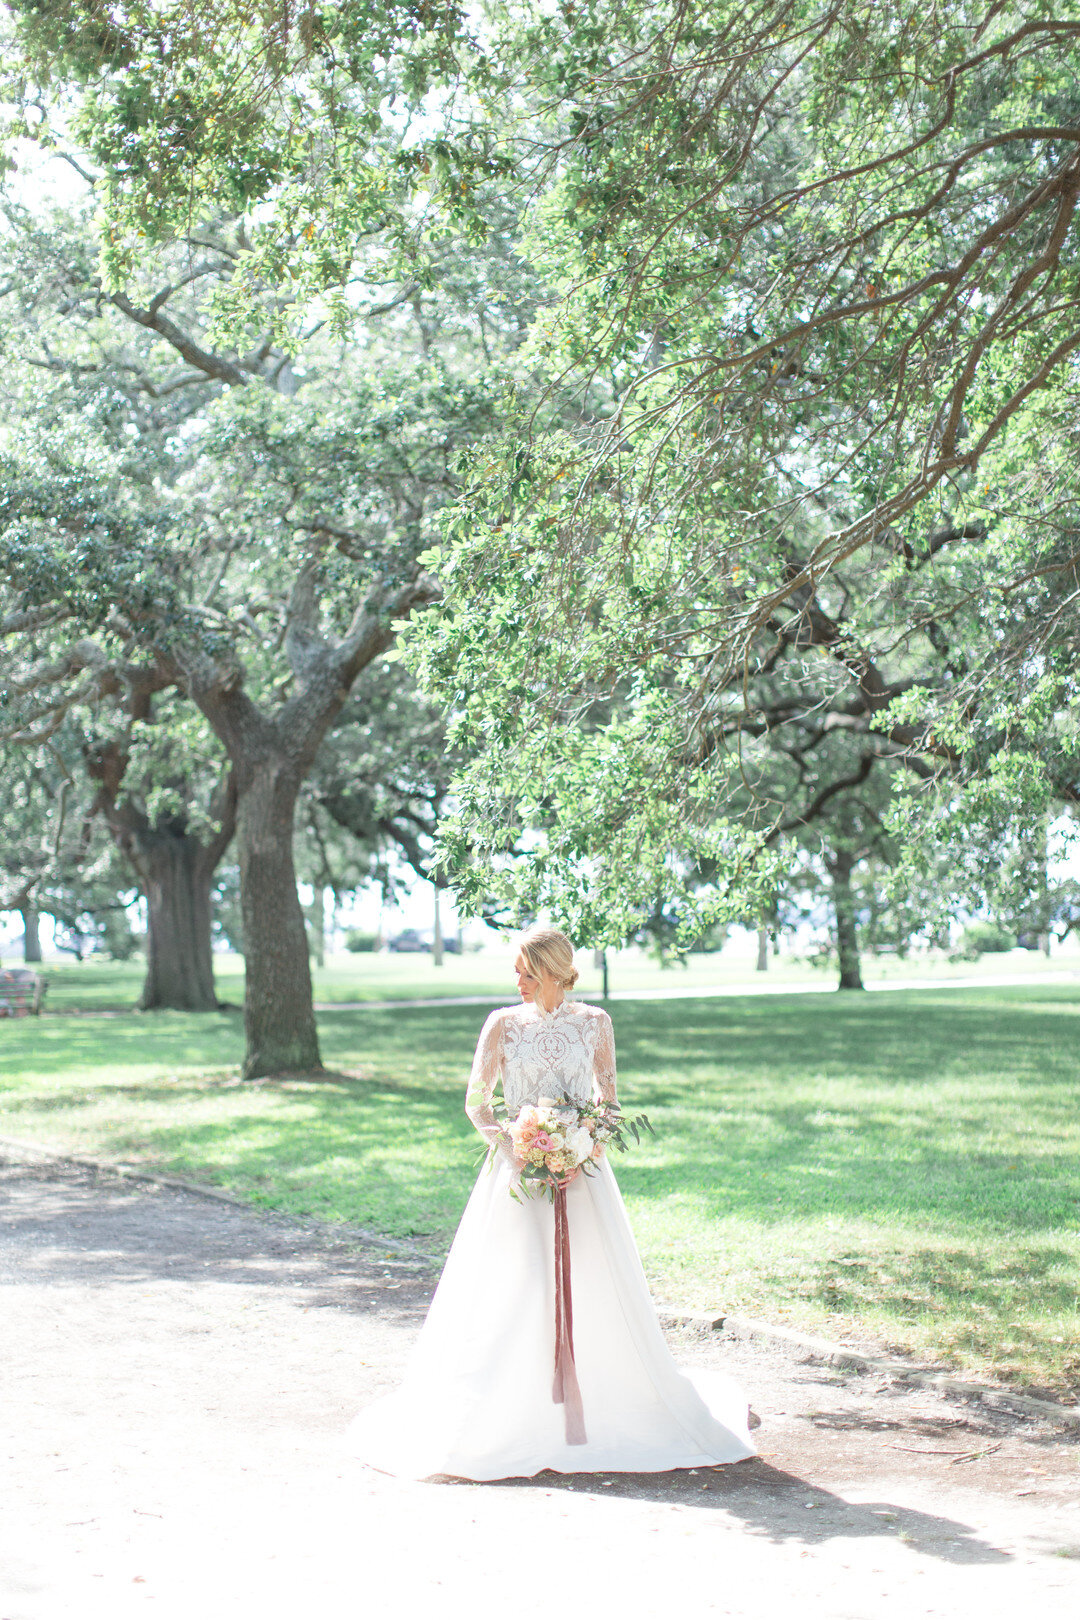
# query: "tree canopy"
240,527
754,458
805,408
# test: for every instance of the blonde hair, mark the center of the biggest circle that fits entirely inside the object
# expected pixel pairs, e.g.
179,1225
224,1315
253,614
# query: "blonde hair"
548,950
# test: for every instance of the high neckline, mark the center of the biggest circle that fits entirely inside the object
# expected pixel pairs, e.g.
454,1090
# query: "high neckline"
544,1015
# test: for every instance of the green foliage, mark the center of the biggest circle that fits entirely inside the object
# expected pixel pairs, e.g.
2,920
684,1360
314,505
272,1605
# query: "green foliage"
54,853
981,937
176,511
764,495
356,941
155,522
377,787
802,459
37,838
117,937
315,124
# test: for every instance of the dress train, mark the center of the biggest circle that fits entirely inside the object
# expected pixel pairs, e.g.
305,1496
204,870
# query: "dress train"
476,1401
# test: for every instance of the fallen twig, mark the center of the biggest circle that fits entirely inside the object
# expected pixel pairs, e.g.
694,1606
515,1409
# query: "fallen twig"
927,1451
954,1456
971,1456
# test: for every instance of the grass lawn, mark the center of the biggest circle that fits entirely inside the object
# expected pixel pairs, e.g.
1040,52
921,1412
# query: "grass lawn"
903,1169
98,984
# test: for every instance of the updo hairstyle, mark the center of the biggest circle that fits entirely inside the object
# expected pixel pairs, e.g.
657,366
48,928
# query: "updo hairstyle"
547,950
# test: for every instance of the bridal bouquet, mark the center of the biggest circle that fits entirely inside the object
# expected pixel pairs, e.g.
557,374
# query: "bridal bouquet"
555,1136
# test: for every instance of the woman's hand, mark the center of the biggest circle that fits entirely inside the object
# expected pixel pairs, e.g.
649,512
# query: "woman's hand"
565,1181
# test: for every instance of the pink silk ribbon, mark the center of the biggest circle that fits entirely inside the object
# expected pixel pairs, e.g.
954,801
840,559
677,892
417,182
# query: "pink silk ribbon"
565,1390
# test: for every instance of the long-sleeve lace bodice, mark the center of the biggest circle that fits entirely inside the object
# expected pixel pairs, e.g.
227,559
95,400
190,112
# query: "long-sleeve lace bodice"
538,1054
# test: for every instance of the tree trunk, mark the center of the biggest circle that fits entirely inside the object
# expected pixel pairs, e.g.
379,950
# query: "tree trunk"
762,950
437,937
175,869
31,937
279,1016
841,867
317,923
177,872
270,757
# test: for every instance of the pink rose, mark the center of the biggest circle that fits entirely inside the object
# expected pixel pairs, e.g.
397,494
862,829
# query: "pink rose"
543,1141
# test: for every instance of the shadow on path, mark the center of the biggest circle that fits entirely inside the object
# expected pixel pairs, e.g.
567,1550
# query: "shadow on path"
67,1227
780,1507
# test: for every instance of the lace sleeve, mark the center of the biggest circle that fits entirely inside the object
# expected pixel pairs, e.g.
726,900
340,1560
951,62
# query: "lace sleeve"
604,1060
486,1070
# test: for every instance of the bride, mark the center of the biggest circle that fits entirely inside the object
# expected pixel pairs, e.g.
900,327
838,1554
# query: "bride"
477,1401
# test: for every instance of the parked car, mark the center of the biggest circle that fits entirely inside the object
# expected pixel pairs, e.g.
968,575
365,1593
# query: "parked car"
411,939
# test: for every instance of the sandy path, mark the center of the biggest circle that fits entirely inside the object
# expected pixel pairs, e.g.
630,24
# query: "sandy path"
176,1374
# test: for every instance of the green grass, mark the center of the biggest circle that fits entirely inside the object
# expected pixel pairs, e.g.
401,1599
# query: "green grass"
903,1169
100,985
97,984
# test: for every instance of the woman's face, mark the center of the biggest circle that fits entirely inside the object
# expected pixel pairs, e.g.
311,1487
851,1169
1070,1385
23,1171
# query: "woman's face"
527,982
530,984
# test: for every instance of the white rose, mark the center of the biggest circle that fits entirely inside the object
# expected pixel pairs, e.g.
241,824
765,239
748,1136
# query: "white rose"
580,1143
558,1140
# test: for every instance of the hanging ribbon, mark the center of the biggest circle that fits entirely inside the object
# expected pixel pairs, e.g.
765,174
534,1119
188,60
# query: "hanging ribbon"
565,1390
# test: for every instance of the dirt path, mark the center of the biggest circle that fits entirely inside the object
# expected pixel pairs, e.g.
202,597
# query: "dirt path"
177,1373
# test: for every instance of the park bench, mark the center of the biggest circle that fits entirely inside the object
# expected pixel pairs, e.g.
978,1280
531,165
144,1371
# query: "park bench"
21,992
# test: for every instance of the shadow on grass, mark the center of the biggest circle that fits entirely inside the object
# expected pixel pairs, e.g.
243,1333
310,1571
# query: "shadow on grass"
1009,1309
381,1151
949,1108
40,1048
919,1037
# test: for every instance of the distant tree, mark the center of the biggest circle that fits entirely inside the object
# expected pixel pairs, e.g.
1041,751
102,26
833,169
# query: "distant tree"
170,807
41,832
56,858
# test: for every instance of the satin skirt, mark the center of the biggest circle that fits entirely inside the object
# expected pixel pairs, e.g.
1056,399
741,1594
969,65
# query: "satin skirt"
476,1401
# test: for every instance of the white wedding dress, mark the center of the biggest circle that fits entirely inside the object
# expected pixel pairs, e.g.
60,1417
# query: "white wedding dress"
476,1401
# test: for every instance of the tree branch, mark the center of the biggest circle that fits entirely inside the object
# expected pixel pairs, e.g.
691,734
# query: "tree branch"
204,360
